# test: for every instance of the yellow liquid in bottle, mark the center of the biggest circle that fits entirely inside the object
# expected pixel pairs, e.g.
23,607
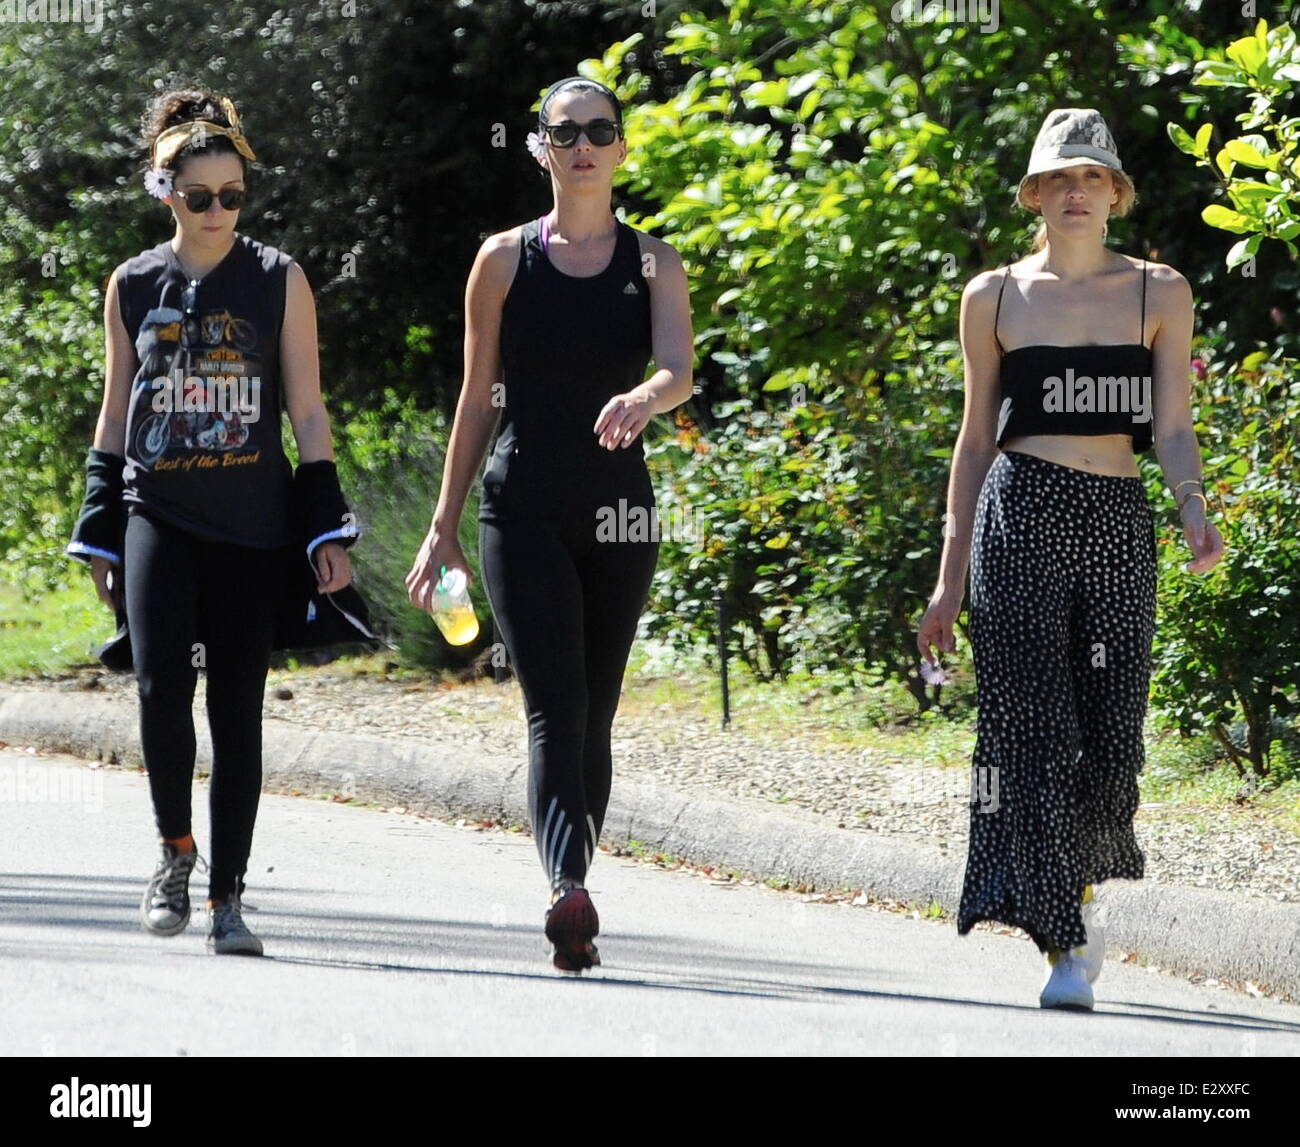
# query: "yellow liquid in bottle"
459,626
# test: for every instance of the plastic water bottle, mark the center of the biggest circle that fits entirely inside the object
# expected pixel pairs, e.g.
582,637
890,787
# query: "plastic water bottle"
451,607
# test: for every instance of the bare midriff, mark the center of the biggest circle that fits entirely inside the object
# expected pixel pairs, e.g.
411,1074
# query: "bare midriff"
1110,454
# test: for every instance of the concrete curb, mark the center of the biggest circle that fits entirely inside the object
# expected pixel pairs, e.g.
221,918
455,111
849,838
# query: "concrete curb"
1184,929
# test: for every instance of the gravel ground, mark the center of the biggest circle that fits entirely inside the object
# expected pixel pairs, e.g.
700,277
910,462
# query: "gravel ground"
1236,849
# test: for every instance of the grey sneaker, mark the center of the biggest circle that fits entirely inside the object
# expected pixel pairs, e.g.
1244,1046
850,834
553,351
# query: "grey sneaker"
165,908
227,932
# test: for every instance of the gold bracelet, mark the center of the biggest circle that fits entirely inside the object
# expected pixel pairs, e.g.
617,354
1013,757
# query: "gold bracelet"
1189,482
1195,494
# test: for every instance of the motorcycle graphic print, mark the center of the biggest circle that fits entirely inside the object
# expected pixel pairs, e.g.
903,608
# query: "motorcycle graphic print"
194,399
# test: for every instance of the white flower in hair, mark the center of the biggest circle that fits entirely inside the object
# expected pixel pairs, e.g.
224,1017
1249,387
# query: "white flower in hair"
536,145
158,182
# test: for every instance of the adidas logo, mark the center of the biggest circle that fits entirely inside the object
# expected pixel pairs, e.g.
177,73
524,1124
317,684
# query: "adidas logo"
630,289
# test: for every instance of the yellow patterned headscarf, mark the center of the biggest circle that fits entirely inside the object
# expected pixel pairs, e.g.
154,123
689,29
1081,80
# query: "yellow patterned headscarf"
170,142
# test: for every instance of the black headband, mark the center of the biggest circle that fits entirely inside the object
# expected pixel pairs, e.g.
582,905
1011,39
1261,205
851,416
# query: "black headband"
555,87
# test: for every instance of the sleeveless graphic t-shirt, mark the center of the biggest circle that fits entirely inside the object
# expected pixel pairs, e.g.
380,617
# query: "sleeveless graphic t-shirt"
568,345
203,449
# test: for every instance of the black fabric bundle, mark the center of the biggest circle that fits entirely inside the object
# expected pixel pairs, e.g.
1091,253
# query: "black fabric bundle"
307,619
319,511
102,520
320,514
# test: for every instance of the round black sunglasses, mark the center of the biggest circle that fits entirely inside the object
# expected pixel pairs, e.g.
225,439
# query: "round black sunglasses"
232,198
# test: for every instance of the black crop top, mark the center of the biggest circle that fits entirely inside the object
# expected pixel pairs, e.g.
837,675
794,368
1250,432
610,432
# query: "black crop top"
1084,389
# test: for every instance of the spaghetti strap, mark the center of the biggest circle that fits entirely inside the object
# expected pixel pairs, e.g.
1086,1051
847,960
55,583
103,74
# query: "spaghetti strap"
998,311
1142,330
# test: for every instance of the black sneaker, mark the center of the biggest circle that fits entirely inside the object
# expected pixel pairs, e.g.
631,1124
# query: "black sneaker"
165,909
227,932
571,925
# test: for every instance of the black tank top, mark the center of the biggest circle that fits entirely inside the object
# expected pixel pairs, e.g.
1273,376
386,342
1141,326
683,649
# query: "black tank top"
1084,389
568,345
204,453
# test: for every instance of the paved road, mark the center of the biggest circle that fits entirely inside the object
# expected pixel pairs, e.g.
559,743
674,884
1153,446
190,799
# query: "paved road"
390,935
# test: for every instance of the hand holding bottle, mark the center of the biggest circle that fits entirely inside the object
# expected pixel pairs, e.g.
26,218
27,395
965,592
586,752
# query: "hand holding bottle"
446,595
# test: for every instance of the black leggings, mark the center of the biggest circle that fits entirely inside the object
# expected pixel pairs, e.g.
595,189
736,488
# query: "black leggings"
193,603
567,606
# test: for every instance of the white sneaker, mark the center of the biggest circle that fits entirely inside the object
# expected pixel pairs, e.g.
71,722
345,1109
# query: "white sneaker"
1067,983
1093,953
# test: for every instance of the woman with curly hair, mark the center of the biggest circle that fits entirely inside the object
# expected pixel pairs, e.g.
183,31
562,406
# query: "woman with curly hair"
192,511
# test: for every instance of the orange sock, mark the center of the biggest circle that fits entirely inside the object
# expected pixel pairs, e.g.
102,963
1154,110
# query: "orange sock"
183,843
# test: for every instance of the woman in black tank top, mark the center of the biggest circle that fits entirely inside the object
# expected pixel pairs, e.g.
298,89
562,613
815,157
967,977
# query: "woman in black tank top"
562,316
1060,543
192,517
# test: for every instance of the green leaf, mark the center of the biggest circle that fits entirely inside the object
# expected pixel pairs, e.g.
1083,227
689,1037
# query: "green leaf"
1245,153
1181,139
1251,191
1248,52
1221,217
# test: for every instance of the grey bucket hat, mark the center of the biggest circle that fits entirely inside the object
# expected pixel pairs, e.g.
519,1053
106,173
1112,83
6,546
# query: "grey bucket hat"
1070,137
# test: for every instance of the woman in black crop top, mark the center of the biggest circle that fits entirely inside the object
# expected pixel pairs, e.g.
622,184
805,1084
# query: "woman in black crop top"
562,316
1077,358
191,514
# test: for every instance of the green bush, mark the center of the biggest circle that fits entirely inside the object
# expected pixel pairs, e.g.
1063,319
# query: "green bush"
390,462
815,536
1229,649
1229,640
832,178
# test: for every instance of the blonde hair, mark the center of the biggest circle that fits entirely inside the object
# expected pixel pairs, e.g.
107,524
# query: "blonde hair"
1123,205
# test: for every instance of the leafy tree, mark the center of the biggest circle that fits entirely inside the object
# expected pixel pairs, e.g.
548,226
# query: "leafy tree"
390,140
833,174
1232,640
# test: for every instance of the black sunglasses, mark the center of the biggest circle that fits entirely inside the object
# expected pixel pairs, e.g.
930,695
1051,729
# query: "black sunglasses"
601,132
232,199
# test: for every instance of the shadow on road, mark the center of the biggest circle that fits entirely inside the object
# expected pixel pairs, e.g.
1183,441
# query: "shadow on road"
342,940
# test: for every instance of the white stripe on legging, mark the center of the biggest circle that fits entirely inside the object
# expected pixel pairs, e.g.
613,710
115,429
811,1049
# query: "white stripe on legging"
552,845
546,832
558,859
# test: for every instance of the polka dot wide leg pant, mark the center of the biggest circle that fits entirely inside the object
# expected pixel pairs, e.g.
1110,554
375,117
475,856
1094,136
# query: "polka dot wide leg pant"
1062,611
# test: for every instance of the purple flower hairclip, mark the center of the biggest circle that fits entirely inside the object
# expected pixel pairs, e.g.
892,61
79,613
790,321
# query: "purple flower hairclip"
158,182
933,674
